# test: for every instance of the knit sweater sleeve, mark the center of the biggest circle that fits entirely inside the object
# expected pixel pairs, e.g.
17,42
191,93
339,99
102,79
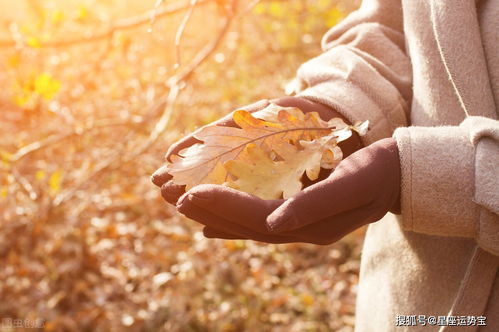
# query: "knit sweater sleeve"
364,72
450,180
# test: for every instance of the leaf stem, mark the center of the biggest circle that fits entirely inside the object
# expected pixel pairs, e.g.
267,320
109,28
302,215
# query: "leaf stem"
260,138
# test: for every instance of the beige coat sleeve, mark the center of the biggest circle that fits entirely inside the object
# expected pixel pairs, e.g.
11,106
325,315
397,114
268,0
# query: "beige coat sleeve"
450,180
449,174
364,72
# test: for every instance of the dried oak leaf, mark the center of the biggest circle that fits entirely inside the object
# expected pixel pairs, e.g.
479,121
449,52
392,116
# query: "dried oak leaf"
265,156
257,173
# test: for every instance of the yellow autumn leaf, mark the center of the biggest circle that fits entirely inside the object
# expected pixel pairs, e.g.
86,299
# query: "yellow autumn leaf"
82,12
57,16
13,61
234,244
276,9
334,16
40,175
3,192
267,155
46,86
259,8
55,182
307,300
5,156
22,99
34,42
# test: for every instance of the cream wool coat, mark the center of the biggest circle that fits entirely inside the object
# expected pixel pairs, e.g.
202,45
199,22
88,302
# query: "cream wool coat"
426,72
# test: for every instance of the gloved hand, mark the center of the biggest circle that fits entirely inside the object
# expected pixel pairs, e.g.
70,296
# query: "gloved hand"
361,190
171,192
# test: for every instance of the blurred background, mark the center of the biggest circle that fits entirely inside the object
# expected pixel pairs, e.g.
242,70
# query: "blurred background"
92,94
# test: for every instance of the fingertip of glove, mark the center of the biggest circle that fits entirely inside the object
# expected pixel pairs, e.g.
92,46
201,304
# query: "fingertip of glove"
192,198
157,180
277,224
183,203
160,176
209,233
171,192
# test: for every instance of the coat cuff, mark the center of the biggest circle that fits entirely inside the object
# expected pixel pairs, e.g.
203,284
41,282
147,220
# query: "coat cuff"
437,181
484,134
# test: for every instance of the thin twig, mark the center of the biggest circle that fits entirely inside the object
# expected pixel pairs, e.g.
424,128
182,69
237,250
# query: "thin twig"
153,14
68,193
111,164
25,185
124,24
180,32
54,139
177,83
251,6
203,54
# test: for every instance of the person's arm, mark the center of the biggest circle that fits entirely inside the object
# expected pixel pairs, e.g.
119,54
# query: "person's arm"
364,72
449,174
450,180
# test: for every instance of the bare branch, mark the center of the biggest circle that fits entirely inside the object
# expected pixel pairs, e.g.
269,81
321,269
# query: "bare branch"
251,5
203,54
125,24
180,32
176,84
153,14
54,139
25,185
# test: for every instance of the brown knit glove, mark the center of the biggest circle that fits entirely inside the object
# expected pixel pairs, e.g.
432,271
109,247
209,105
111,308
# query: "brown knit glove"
361,190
